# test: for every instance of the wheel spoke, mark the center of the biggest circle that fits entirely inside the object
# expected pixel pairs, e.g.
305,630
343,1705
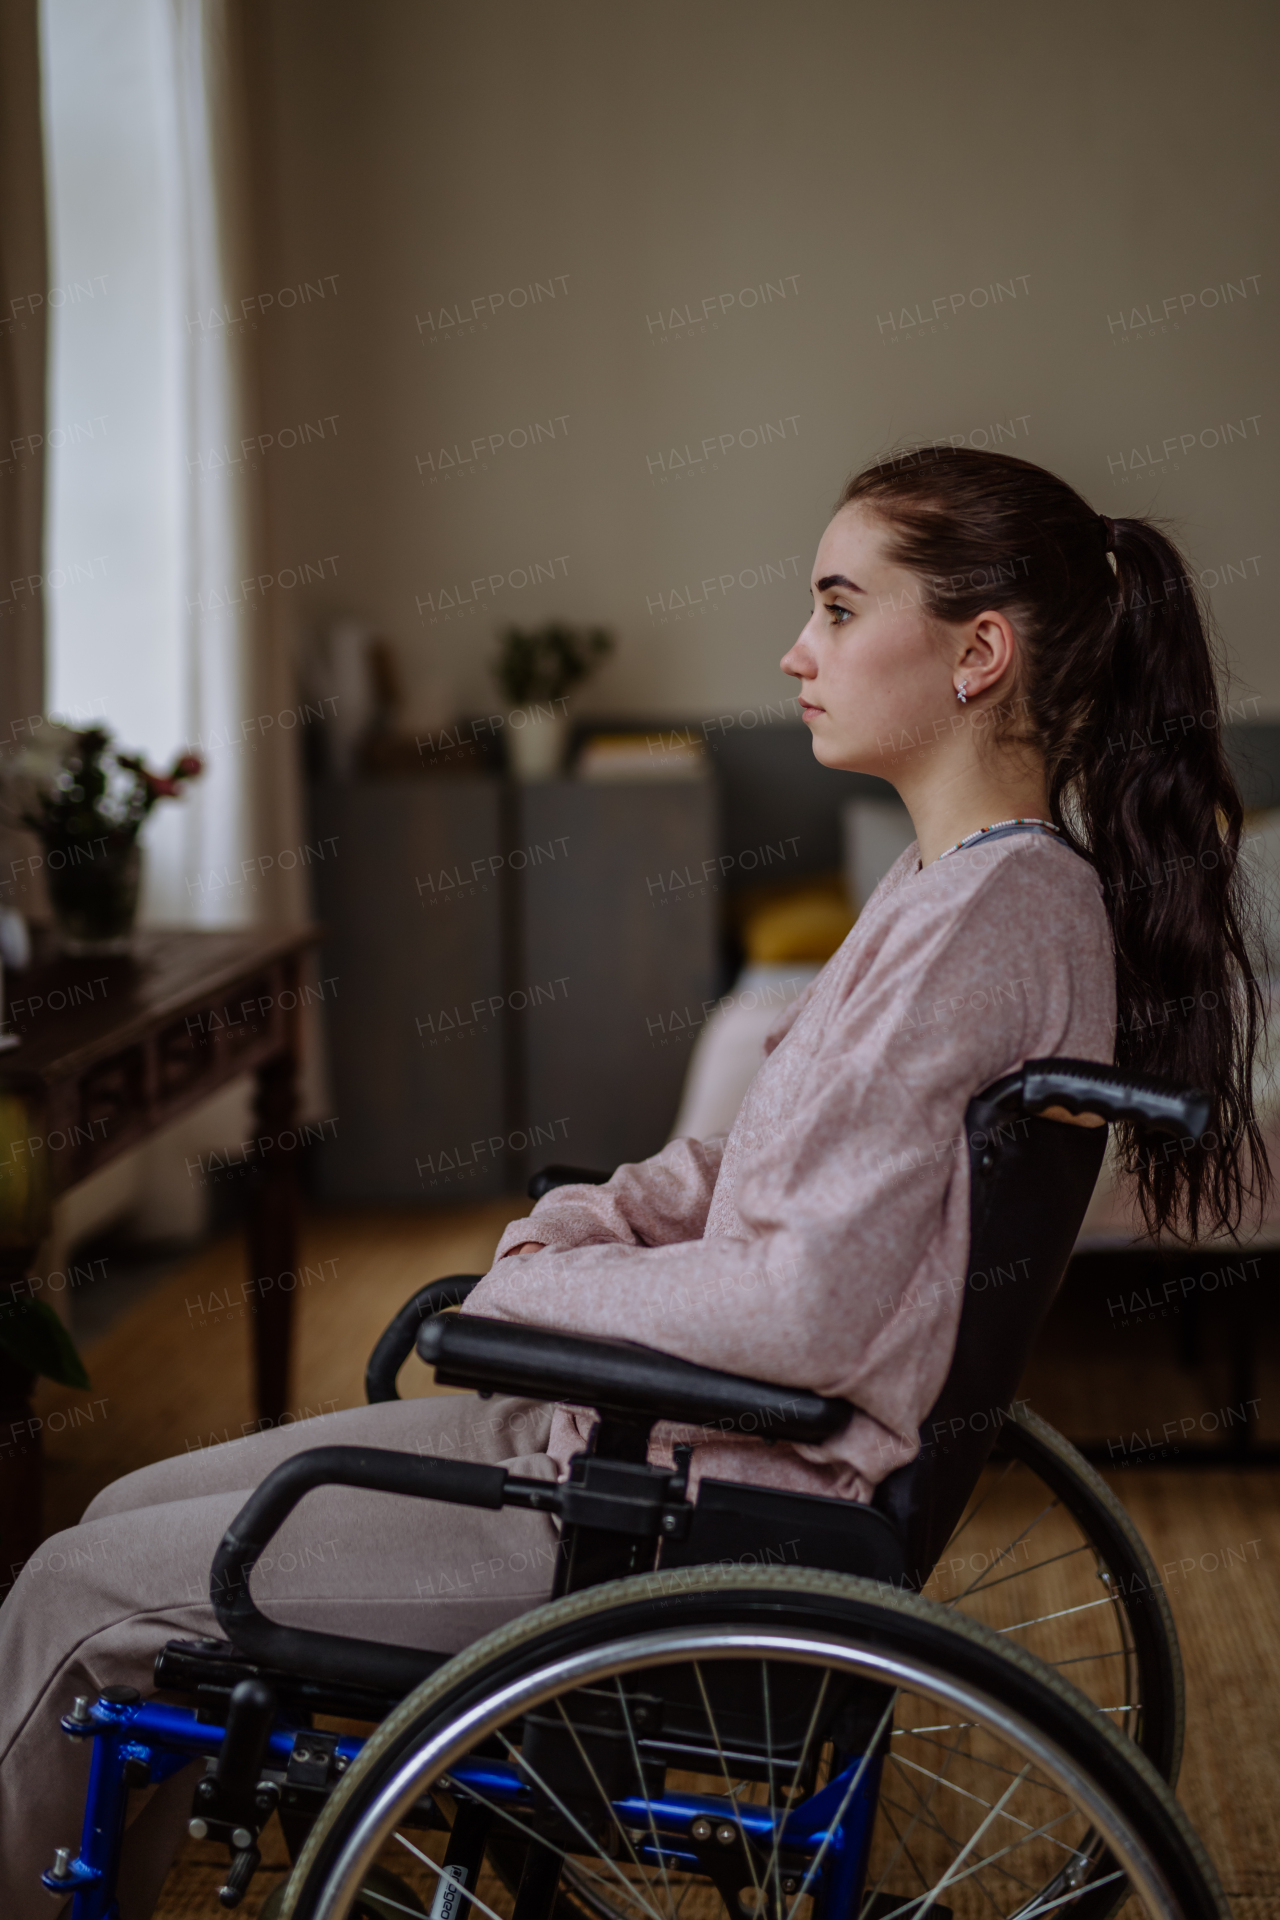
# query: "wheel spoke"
774,1868
1087,1606
531,1833
935,1826
1047,1906
440,1874
850,1790
981,1502
943,1726
1078,1659
576,1824
774,1863
1015,1542
733,1801
585,1758
914,1819
900,1761
902,1848
917,1907
974,1759
990,1860
644,1788
985,1586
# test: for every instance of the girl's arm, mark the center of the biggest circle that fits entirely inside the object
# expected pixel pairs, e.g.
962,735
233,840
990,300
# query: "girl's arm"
650,1203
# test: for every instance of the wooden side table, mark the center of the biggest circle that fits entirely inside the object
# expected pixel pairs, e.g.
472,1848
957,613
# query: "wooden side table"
111,1050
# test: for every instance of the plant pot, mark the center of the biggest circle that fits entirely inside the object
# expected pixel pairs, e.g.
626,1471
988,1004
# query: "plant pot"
93,890
537,737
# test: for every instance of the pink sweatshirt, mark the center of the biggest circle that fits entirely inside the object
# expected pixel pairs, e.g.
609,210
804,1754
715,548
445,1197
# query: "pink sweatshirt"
825,1242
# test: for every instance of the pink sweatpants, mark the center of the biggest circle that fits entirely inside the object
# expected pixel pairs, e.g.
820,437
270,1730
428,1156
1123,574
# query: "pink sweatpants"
96,1604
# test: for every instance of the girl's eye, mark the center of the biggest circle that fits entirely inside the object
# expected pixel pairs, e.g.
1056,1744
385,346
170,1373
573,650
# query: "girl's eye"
838,614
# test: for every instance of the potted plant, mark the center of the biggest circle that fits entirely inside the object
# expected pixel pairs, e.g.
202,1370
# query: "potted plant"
536,671
33,1341
86,802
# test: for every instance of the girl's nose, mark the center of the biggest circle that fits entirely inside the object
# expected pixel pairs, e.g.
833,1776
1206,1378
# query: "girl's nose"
797,660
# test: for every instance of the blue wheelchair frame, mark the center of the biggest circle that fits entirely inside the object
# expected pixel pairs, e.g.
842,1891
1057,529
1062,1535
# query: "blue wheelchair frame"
831,1831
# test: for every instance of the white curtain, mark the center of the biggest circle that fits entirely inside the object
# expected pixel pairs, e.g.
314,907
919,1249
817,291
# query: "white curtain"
219,491
153,505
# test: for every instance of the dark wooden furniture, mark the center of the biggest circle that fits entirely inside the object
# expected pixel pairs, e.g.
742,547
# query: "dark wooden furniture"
112,1049
1211,1309
524,969
621,938
414,932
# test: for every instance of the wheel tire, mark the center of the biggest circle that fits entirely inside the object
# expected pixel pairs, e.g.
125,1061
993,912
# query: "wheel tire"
849,1615
381,1886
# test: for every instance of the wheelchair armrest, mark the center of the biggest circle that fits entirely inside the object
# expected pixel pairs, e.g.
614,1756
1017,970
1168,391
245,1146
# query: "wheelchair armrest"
634,1383
547,1177
381,1668
396,1344
1113,1093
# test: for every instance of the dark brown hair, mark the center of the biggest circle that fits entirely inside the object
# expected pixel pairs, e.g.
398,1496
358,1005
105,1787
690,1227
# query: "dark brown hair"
1119,691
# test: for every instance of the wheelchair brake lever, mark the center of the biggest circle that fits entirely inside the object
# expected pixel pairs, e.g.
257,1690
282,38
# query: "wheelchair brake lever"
243,1867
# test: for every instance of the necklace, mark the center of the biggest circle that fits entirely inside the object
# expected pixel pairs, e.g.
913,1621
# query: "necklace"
970,839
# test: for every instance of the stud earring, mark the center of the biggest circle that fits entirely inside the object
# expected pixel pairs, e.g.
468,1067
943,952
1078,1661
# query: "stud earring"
961,695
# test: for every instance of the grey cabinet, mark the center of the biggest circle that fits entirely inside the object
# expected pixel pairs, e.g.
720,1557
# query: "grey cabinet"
508,961
629,946
412,910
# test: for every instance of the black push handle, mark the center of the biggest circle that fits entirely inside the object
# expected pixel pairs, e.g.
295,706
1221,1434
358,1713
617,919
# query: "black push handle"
383,1668
614,1377
396,1344
1113,1093
547,1177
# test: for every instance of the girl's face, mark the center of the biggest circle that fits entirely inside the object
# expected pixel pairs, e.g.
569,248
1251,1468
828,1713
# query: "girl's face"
877,675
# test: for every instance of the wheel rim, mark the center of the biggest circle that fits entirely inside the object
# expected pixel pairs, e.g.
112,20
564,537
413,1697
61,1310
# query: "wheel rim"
974,1715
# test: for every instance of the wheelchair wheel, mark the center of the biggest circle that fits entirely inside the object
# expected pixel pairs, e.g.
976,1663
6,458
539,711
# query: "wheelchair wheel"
382,1896
780,1745
1047,1556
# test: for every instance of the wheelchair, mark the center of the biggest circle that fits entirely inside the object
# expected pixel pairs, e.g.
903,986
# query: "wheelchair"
962,1700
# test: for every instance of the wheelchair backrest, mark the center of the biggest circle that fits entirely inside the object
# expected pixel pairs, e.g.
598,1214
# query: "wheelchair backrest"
1030,1180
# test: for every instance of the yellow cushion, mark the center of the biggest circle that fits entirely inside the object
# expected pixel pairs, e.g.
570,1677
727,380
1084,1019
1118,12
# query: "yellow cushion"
807,924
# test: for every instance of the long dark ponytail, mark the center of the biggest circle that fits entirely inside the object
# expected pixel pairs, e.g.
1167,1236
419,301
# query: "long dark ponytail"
1119,691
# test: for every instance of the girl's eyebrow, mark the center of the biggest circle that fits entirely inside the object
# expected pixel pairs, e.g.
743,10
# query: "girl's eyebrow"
838,580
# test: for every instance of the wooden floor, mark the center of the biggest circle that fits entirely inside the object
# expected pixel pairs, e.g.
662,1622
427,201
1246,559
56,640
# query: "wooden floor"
173,1374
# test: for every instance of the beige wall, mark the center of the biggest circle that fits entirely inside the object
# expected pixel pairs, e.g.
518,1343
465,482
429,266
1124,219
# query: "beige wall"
1080,165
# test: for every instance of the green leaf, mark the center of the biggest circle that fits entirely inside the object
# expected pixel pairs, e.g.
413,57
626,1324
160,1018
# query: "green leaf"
546,663
32,1334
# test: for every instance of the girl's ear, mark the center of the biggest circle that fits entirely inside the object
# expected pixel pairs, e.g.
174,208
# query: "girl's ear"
988,653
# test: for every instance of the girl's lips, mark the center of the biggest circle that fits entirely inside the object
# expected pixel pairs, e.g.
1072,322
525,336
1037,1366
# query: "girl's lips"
808,709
